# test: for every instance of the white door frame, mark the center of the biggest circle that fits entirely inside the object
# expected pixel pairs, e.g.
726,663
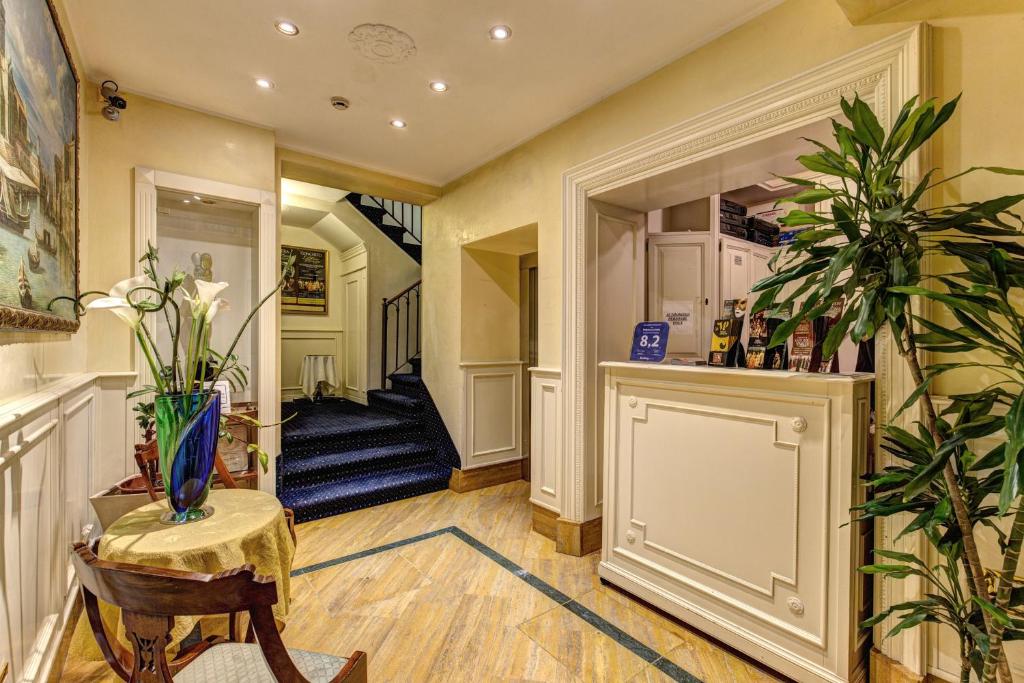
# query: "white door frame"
268,321
885,75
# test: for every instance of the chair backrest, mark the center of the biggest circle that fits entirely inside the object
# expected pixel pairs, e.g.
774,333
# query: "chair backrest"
147,457
150,598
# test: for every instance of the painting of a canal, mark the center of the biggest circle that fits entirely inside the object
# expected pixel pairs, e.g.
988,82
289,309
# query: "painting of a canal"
38,170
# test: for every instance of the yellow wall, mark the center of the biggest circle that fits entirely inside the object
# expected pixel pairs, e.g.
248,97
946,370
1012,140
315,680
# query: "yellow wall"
167,138
978,55
490,286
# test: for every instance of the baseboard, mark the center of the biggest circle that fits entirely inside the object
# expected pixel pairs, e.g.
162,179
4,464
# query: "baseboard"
545,521
571,538
577,538
56,673
463,481
886,670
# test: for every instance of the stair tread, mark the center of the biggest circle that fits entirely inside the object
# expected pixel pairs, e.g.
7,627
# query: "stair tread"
395,397
304,465
339,419
363,487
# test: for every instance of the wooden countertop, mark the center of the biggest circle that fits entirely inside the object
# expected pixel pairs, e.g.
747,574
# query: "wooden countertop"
678,371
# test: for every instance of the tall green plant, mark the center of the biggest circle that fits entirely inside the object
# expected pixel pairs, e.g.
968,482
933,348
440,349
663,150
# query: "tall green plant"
868,248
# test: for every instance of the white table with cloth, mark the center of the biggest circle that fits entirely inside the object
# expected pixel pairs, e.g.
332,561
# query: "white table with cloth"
317,369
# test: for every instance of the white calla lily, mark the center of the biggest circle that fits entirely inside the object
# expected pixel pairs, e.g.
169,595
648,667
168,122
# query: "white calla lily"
120,307
216,306
121,289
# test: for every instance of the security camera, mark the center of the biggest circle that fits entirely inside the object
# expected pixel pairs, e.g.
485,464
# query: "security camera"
115,103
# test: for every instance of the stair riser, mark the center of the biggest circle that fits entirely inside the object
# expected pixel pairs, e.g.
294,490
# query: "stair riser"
334,473
309,513
394,406
410,390
347,442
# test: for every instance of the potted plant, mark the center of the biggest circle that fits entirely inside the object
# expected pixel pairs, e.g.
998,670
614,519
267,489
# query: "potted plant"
868,248
185,410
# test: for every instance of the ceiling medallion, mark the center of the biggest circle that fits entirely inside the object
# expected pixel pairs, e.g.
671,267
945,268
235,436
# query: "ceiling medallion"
382,43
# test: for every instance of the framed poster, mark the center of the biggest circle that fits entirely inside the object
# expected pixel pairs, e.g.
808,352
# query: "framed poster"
305,292
38,170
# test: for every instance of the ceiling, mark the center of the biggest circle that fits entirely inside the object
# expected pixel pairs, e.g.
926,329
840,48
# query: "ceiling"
563,56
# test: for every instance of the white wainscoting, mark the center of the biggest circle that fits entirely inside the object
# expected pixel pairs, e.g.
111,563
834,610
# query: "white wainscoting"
727,504
296,344
546,438
492,409
57,447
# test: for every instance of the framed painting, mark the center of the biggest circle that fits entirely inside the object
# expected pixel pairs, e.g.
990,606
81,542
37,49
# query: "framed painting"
305,292
38,170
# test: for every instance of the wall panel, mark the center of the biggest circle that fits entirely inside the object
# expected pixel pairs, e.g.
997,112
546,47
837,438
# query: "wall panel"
56,447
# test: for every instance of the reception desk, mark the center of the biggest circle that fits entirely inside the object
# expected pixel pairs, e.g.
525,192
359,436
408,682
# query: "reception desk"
726,503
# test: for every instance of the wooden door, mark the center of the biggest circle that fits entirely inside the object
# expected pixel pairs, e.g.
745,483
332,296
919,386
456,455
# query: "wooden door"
679,290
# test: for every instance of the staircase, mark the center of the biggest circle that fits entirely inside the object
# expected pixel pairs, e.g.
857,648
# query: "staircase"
343,456
400,221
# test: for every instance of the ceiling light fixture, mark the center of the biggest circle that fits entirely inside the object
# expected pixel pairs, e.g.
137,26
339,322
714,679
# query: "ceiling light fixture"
197,197
439,86
398,123
287,28
500,32
187,201
264,83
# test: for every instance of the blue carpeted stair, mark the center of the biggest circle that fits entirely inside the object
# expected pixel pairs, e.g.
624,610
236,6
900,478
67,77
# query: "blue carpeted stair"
339,456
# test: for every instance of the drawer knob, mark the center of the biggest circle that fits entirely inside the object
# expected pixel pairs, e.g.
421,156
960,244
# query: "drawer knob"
632,401
630,537
799,425
796,606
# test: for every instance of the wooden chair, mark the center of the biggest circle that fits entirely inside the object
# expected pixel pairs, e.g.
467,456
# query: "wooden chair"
150,598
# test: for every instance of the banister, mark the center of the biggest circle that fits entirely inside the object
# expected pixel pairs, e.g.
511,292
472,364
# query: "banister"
403,292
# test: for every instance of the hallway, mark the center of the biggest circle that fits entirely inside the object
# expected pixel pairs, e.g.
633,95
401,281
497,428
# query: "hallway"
431,586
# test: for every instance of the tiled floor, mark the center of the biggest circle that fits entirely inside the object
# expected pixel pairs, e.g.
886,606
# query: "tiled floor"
482,598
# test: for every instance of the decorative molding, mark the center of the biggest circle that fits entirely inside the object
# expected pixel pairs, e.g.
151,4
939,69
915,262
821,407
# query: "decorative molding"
880,73
773,576
382,43
487,437
546,439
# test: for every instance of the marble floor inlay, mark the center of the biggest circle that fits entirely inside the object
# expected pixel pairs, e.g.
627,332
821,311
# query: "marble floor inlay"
456,587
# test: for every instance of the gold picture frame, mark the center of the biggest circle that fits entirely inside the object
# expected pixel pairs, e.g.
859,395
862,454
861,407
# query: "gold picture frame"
306,291
42,224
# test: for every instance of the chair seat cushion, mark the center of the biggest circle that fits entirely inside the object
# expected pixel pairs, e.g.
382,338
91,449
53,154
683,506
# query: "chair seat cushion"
244,662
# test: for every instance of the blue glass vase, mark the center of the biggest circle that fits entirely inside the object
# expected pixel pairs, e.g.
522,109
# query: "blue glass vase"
187,429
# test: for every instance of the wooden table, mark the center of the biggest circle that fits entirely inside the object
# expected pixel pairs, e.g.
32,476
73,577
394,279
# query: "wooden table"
247,527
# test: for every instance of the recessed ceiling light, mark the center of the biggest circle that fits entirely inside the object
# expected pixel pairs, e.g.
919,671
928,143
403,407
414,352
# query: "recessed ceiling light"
197,197
398,123
187,201
501,32
287,28
439,86
264,83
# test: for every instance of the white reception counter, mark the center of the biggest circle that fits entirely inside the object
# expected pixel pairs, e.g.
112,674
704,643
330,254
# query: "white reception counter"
726,502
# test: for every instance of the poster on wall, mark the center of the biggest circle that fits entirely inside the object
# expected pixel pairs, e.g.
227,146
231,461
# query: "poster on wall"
38,171
305,292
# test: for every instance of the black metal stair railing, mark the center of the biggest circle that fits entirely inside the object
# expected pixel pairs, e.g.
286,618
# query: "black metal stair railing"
400,331
407,216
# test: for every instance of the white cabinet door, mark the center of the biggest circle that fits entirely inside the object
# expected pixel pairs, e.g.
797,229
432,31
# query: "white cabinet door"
679,290
734,270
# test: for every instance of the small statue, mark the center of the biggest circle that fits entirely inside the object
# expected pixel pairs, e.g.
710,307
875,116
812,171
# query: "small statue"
202,266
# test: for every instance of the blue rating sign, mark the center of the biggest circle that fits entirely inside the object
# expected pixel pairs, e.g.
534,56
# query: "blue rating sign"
650,341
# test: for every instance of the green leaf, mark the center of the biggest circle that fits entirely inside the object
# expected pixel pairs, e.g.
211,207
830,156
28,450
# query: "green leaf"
997,614
812,196
1014,429
924,479
866,128
914,396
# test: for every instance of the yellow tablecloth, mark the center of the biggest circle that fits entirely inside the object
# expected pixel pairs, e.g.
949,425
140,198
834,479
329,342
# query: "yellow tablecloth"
247,527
